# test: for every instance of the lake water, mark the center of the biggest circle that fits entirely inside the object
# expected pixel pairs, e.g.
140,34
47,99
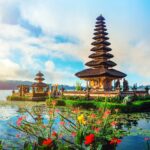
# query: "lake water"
9,114
4,94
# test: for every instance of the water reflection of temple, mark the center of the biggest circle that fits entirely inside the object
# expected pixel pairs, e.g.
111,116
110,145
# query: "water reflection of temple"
37,91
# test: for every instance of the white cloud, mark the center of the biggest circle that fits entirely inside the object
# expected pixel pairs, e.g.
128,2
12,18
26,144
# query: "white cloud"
66,21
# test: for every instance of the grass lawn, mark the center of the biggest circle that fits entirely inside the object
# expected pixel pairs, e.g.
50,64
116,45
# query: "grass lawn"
136,106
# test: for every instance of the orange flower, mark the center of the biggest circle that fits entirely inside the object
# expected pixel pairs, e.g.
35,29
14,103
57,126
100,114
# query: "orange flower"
115,141
89,139
114,123
51,112
106,113
54,102
76,110
99,121
47,142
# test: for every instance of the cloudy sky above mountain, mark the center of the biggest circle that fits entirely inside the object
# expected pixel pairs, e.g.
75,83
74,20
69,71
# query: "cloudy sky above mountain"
55,36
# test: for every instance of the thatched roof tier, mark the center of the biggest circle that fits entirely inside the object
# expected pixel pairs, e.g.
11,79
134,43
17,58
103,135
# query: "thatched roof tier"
102,48
98,63
100,55
39,85
99,42
100,29
100,25
39,74
90,73
23,85
100,22
98,37
39,78
100,33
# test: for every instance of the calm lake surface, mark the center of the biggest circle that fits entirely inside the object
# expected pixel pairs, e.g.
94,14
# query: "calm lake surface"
9,114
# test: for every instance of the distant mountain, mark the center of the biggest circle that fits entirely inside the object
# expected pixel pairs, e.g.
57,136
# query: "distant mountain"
12,85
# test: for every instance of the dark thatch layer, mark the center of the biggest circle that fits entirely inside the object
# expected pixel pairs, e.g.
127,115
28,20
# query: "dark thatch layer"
87,73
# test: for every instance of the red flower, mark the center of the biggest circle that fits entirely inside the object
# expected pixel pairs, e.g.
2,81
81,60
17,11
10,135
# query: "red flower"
115,141
89,139
62,123
114,123
47,142
54,134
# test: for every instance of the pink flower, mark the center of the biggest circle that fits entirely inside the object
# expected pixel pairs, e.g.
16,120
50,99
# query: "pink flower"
17,135
60,136
146,139
57,110
73,134
97,130
93,116
62,123
20,119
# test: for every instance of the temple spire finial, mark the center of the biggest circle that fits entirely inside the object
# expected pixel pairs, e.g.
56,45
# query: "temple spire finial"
100,17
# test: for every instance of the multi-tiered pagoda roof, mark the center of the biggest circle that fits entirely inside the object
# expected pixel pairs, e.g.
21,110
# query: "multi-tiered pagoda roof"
39,80
100,65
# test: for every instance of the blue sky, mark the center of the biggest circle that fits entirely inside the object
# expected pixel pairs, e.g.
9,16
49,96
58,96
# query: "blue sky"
55,37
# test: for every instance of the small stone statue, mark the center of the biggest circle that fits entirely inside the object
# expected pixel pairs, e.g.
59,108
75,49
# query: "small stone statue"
125,85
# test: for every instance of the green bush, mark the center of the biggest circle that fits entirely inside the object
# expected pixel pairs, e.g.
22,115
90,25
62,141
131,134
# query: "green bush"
61,103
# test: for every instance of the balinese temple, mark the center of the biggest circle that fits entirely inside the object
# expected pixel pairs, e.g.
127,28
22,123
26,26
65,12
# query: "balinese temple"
37,91
100,72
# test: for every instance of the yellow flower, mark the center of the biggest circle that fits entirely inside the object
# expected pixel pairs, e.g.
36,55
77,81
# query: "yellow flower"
81,119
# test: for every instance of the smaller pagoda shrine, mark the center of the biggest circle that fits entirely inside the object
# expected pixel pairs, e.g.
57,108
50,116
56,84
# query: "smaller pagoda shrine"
100,73
39,87
37,91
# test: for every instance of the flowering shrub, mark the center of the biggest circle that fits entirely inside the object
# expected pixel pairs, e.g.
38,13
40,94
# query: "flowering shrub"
69,129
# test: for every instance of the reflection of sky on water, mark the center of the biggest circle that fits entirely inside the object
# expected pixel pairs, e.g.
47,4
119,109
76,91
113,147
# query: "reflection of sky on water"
9,114
4,94
135,142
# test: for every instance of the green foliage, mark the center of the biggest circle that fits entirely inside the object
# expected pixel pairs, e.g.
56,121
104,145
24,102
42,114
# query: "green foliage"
1,145
115,99
78,86
61,103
